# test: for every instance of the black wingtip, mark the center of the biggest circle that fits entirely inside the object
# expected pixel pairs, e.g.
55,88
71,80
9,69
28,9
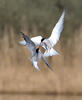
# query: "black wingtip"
49,67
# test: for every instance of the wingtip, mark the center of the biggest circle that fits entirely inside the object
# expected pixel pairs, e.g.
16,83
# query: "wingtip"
63,12
51,68
38,69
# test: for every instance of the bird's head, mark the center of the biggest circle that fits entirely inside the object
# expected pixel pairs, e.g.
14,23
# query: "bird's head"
42,41
42,44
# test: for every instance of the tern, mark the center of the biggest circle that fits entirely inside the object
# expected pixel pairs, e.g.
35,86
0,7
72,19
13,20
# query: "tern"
35,53
50,42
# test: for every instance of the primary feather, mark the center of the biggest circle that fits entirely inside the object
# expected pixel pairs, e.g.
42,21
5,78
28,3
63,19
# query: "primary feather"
57,30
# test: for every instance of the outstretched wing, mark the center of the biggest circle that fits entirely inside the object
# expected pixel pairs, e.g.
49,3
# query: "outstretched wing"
57,30
36,40
29,44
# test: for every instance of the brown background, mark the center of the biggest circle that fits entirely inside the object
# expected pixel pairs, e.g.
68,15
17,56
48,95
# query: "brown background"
18,78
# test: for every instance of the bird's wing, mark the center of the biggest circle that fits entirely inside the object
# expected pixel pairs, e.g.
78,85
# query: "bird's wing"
45,61
35,65
36,40
57,30
22,42
29,44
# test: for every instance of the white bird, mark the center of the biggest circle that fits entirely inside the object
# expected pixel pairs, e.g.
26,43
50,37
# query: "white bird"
35,53
50,42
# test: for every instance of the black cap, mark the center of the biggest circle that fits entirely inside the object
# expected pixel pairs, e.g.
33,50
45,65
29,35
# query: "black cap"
43,39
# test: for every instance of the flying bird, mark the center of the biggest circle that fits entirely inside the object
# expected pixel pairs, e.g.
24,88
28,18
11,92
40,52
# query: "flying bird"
35,53
50,42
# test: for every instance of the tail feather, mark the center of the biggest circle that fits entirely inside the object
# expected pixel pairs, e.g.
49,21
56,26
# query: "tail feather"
46,62
35,65
50,52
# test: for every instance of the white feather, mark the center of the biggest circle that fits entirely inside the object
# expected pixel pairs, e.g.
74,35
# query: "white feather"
22,42
57,30
37,40
35,65
50,52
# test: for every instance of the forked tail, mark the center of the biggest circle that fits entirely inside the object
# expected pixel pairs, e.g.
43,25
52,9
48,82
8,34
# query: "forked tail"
50,52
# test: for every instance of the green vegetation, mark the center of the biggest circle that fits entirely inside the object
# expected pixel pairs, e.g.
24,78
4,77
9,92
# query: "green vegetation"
40,14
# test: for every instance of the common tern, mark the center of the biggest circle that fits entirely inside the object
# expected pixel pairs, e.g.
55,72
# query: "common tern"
35,53
50,42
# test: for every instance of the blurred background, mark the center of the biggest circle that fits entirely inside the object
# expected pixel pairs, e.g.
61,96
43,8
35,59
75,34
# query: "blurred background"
18,78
